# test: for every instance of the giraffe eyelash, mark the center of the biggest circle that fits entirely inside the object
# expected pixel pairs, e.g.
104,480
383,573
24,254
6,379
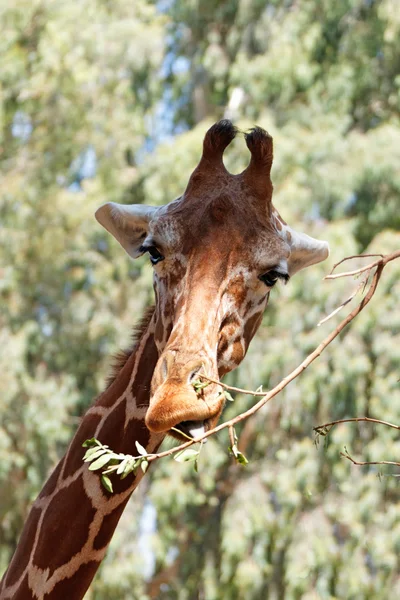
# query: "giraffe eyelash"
272,276
154,253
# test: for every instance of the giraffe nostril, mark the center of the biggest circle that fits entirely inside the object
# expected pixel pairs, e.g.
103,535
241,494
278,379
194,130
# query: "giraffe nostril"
177,369
193,373
164,369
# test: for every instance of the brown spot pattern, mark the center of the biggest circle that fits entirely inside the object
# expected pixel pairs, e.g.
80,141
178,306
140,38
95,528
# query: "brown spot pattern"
87,430
238,290
223,344
25,546
51,483
75,586
66,524
251,327
237,351
24,591
229,325
108,526
112,429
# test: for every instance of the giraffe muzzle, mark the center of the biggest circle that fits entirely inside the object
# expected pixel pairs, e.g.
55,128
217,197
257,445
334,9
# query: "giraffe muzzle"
175,404
179,406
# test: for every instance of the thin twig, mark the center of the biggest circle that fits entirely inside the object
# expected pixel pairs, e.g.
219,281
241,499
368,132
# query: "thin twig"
327,427
182,433
230,387
356,271
351,258
349,299
368,462
353,420
232,435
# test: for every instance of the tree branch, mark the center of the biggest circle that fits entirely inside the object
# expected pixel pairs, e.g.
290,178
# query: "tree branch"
356,271
322,428
368,462
378,265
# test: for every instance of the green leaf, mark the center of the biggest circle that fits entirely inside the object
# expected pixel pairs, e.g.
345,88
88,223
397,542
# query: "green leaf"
144,464
140,449
90,443
239,456
131,466
122,466
200,385
94,453
110,469
90,453
186,455
228,396
100,462
106,481
116,456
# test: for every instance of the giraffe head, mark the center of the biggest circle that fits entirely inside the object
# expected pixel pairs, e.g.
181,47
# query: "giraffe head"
216,252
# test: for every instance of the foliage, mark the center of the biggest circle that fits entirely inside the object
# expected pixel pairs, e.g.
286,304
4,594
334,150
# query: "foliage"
100,456
87,89
74,97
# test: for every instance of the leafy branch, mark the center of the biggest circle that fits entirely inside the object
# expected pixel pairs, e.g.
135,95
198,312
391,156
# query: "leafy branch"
100,456
233,448
121,463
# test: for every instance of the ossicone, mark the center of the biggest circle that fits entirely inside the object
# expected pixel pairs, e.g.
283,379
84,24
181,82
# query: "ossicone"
217,138
257,174
260,144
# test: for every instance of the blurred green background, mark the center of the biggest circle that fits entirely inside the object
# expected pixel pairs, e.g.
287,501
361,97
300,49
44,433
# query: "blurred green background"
109,100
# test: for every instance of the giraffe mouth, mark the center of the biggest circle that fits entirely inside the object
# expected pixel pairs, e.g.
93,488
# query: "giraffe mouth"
189,429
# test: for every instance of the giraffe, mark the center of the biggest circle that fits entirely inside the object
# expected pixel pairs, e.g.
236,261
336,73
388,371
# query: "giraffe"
217,251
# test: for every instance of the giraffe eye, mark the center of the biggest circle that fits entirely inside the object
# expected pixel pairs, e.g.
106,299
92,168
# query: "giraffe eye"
271,277
155,255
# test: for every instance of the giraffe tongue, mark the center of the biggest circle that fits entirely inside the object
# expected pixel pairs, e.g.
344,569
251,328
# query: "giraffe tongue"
192,428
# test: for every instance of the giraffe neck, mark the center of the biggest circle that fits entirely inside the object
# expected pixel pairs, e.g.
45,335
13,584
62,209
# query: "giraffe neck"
73,519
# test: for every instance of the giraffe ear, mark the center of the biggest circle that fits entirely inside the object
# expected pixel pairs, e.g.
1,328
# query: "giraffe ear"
305,250
128,223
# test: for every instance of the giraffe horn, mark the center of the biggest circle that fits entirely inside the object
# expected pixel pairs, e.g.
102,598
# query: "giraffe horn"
217,138
257,174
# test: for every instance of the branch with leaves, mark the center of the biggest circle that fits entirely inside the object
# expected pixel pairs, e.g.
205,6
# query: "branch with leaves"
101,456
